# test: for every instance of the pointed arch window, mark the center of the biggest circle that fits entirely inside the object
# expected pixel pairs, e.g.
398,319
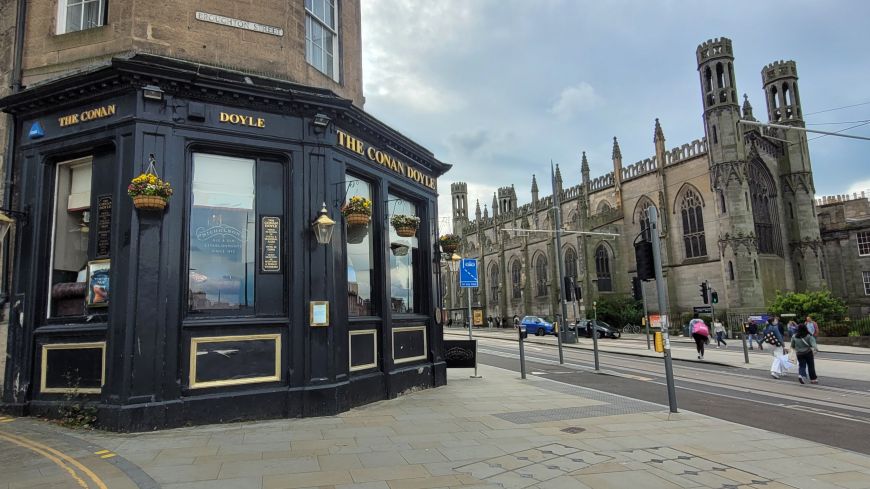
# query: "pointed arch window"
493,283
541,276
602,269
516,275
730,270
693,224
762,191
643,220
570,263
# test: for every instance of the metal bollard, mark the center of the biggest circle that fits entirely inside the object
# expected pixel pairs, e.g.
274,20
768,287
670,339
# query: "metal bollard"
745,348
595,346
523,334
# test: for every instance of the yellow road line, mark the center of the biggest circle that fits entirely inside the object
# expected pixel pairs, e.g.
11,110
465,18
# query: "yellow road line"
40,448
108,455
54,459
101,452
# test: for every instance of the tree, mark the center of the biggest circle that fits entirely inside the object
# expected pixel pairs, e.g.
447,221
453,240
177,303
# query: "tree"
821,305
618,310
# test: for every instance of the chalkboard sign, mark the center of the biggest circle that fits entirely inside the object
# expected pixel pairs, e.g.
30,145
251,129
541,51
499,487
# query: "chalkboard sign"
104,226
460,353
270,232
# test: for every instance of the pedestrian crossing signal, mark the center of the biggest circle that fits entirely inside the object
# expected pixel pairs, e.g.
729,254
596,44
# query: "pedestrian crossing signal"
714,297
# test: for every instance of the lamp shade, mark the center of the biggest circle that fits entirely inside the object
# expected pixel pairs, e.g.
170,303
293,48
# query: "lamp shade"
323,227
454,262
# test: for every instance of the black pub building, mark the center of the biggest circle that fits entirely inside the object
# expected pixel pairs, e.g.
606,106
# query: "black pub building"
250,294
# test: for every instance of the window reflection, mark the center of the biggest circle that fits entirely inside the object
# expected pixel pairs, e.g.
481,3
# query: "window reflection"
360,256
404,256
222,245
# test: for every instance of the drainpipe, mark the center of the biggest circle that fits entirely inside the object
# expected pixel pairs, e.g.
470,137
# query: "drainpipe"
18,54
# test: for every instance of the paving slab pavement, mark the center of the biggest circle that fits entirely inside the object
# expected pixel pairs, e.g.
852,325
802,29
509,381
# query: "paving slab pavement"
496,431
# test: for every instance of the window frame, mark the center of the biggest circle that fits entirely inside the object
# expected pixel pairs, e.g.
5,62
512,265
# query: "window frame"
63,7
541,275
333,30
516,280
418,286
603,275
373,237
865,242
866,276
693,236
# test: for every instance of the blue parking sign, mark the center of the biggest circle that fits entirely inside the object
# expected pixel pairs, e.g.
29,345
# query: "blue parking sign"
468,273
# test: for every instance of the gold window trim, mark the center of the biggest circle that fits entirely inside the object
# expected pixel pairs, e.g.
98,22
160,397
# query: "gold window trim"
351,366
424,356
43,388
196,341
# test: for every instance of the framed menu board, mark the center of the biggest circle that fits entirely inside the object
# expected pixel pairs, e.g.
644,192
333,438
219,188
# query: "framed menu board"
104,226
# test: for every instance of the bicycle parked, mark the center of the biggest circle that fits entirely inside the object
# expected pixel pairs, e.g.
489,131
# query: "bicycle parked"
631,329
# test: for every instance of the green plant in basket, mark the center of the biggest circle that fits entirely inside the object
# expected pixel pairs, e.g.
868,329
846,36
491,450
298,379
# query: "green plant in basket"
150,185
404,221
450,239
357,205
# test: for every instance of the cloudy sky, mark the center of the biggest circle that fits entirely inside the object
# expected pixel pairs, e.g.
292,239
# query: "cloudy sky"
498,88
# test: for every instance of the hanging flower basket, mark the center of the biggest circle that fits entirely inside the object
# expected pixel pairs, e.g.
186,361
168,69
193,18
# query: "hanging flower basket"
357,211
356,233
149,203
406,226
449,243
148,191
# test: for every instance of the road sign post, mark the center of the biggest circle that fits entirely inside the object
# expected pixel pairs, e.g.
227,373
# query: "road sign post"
468,279
652,213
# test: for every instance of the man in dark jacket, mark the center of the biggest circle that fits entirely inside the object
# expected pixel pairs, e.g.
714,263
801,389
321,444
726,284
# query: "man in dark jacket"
752,334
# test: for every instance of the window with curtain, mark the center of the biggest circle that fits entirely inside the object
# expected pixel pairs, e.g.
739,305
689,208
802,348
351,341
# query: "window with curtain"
222,243
78,15
602,269
321,36
516,276
541,276
404,261
360,255
693,224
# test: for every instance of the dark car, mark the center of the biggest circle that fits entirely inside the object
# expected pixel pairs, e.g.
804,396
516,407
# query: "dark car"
604,330
537,326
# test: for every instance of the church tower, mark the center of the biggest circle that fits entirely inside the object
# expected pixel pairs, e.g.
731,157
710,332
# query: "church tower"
459,196
726,154
795,173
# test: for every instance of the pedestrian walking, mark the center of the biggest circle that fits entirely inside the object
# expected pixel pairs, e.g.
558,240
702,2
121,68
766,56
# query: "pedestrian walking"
701,335
772,335
751,330
516,321
812,326
489,322
719,331
805,346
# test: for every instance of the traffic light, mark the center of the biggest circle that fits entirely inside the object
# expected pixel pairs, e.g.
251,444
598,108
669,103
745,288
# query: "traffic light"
569,289
578,292
714,297
636,291
643,255
704,292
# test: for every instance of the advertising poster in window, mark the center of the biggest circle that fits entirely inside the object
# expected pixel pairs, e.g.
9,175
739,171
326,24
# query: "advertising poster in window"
98,283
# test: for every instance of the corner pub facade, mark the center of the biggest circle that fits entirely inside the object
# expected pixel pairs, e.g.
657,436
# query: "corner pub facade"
223,306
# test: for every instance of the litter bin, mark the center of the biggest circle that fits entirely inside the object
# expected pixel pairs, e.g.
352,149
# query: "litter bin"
568,336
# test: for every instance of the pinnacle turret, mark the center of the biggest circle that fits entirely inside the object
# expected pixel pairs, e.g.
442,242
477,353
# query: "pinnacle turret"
747,109
616,154
659,134
584,167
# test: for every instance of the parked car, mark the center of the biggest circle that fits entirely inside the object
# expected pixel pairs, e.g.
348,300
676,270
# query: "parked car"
602,329
537,326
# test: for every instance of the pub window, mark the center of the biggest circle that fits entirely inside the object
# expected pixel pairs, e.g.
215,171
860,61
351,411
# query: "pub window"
404,261
360,256
321,36
69,256
78,15
222,235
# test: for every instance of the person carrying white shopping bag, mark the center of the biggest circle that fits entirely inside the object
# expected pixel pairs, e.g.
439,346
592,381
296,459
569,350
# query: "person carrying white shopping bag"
780,364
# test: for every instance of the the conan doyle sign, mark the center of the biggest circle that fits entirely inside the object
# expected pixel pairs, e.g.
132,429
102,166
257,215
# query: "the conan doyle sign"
86,115
385,159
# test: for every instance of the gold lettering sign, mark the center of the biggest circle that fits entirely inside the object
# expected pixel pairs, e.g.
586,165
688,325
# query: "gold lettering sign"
242,120
87,115
385,159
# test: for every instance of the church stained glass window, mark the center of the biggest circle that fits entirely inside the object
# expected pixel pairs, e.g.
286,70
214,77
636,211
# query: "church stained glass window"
693,224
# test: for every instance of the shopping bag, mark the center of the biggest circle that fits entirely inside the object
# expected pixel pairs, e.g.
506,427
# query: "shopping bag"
785,364
792,357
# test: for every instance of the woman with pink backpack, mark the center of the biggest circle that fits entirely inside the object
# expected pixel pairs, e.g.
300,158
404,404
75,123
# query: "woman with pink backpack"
701,334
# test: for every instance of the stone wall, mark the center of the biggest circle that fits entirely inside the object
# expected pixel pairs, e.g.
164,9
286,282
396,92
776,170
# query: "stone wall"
146,26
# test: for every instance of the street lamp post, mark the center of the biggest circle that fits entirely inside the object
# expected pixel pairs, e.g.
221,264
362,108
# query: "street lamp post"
453,266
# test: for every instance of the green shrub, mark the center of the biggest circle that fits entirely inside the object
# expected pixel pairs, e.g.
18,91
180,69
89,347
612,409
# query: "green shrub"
834,330
821,305
619,310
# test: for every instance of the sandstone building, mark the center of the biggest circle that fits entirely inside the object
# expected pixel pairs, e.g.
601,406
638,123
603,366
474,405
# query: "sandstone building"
736,209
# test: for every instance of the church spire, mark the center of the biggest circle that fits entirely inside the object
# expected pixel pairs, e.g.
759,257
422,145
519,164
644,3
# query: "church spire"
534,188
659,134
617,154
584,168
494,205
747,109
477,209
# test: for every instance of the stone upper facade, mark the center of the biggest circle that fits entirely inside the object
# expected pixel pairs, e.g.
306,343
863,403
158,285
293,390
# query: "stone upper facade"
844,221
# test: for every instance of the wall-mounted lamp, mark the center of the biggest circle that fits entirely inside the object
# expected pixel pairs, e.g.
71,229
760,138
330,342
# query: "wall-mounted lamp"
9,218
152,92
453,264
323,227
320,122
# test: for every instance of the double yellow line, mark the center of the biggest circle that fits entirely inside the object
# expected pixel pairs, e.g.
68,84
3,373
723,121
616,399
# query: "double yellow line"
80,473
